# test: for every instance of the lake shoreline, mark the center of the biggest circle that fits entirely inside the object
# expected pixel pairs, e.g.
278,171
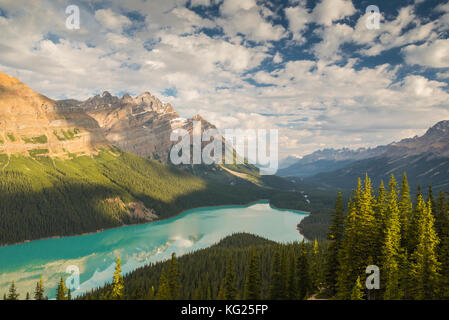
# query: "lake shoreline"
158,220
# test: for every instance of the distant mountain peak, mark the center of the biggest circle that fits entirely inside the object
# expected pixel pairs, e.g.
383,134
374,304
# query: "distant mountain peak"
441,128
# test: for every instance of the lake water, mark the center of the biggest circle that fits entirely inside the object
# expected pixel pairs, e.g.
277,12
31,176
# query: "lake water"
95,254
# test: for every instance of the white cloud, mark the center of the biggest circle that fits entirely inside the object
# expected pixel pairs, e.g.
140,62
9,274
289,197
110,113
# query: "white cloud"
298,17
243,16
328,11
434,54
111,20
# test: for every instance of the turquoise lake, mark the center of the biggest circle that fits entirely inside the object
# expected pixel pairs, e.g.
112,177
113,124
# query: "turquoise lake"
95,254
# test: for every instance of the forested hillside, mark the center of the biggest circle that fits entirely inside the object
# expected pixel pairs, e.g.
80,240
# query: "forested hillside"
408,240
43,197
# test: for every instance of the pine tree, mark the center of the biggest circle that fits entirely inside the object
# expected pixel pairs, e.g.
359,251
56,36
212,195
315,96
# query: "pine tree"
405,210
39,291
444,253
357,290
315,267
117,282
380,215
27,296
346,271
174,277
276,278
229,285
61,293
425,266
292,281
12,294
303,273
391,248
360,240
150,294
163,291
253,287
335,237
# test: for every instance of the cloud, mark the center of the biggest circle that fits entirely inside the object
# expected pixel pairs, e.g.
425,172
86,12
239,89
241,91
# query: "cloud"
238,68
298,17
328,11
244,17
111,20
434,54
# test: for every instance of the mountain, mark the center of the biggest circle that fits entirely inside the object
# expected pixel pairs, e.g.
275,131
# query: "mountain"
61,176
33,123
141,125
327,160
425,159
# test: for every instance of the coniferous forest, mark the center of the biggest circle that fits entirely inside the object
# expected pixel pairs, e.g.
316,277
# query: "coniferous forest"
406,239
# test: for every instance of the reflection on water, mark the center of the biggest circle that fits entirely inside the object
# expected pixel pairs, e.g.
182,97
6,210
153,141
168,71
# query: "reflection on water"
95,254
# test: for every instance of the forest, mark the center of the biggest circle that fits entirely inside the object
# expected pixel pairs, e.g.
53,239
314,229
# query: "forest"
407,239
44,197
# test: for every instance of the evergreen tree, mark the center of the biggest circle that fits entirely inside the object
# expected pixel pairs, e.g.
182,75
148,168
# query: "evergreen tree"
229,285
291,275
335,237
69,294
405,210
444,253
27,296
253,287
163,291
12,294
61,293
117,282
357,290
39,291
150,294
174,277
315,267
391,248
380,213
276,278
303,273
425,266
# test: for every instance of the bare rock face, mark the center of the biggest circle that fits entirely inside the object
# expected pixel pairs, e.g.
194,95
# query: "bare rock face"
31,123
141,125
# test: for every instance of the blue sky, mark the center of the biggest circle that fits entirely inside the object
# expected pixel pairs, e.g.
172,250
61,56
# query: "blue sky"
312,69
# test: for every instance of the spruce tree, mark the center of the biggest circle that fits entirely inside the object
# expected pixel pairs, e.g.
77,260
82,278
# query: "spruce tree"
253,287
12,294
39,291
405,210
315,267
425,266
357,290
163,291
61,293
391,248
117,292
291,275
444,254
276,278
229,285
335,237
303,273
174,277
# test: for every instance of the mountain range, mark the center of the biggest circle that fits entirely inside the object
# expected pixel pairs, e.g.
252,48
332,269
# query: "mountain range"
424,158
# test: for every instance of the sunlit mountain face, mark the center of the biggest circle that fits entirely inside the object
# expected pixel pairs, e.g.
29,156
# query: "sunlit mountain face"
321,72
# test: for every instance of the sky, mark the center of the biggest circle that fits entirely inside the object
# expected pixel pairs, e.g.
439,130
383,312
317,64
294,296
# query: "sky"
314,70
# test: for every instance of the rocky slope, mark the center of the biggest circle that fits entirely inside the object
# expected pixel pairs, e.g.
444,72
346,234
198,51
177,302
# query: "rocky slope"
425,159
141,125
32,123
